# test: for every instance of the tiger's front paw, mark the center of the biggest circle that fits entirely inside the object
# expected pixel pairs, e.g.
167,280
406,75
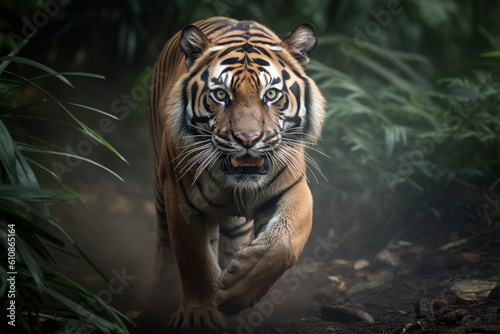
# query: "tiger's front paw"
249,276
197,318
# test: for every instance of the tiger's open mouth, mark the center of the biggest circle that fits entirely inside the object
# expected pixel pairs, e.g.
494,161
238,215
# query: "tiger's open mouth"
245,164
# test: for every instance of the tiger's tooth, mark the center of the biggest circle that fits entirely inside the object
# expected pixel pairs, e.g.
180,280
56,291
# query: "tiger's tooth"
259,162
234,162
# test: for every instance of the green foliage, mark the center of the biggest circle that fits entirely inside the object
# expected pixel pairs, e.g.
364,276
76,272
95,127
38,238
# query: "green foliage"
26,224
400,134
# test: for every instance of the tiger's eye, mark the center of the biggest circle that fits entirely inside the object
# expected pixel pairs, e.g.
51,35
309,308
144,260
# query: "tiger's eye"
271,94
220,94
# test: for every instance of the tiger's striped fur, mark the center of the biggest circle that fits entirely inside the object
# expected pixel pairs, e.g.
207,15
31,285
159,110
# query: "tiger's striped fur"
231,111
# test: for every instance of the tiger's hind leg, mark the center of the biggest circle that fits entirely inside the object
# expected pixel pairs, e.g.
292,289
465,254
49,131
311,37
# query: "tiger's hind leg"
234,233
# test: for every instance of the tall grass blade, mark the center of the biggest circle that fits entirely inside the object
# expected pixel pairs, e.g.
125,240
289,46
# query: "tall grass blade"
70,155
27,61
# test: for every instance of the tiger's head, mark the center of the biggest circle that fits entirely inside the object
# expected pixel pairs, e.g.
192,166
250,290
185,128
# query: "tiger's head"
245,108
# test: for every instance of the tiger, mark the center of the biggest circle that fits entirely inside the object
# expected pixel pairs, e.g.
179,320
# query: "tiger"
231,112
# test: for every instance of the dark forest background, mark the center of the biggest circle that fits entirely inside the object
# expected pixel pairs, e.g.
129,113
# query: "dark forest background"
410,149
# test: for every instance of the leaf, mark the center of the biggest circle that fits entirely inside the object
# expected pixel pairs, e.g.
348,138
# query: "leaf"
101,323
453,244
86,130
92,109
55,178
65,154
21,200
16,166
27,61
31,264
83,127
25,174
90,297
16,50
9,112
494,54
384,72
22,230
363,286
8,153
97,270
18,193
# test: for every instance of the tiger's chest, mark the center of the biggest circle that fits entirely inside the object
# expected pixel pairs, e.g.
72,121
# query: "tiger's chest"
210,196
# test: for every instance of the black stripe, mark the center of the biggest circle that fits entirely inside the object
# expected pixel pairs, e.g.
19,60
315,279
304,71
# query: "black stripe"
232,229
230,42
236,78
307,104
261,228
254,77
206,105
161,220
263,69
160,210
169,156
185,124
228,50
196,119
228,254
223,24
232,61
188,201
276,81
211,22
262,36
204,76
194,91
269,42
277,175
214,180
237,235
205,197
263,50
247,25
247,48
271,202
222,144
295,90
286,104
237,35
158,191
227,69
238,72
293,119
162,238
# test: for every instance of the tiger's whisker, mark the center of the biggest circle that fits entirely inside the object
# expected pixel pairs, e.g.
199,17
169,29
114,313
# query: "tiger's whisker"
191,152
201,129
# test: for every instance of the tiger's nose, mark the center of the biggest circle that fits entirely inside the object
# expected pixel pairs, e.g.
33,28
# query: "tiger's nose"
247,140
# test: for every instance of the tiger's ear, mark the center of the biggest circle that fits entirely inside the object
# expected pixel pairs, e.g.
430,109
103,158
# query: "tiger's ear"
193,42
301,42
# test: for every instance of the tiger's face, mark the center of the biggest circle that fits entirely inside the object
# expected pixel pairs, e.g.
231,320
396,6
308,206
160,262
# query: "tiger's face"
247,107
